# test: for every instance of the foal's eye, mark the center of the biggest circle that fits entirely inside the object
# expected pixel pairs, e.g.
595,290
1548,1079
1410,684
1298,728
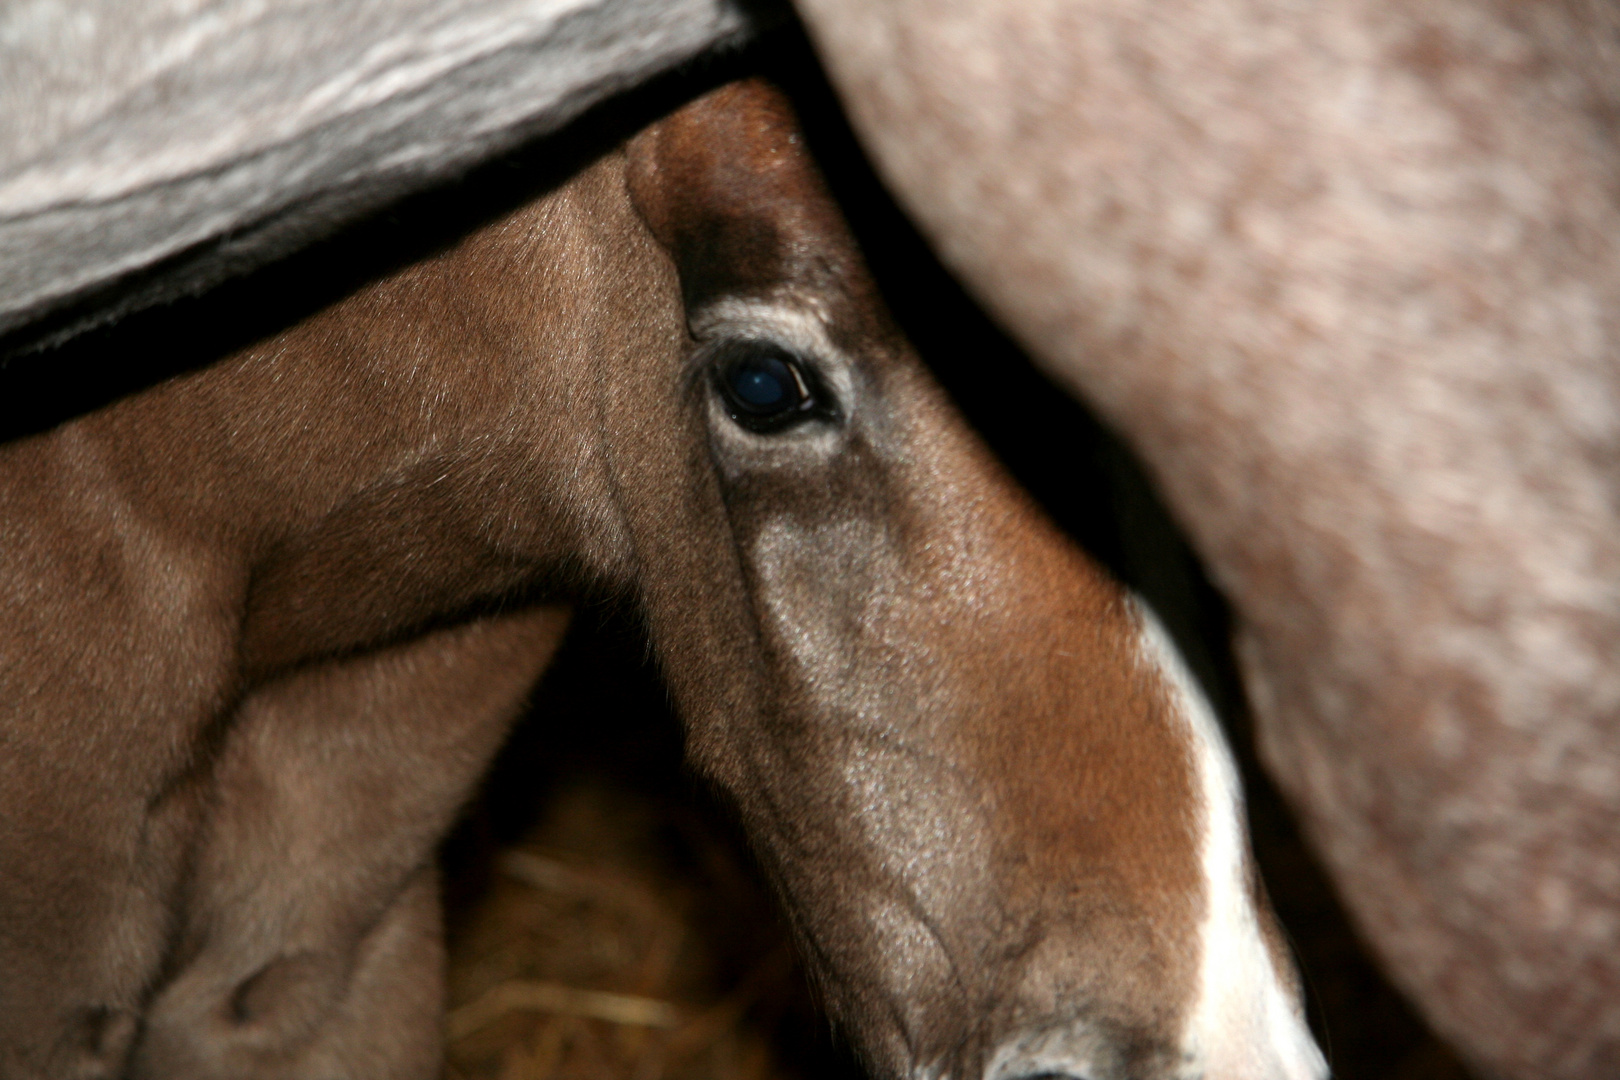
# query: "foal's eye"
766,388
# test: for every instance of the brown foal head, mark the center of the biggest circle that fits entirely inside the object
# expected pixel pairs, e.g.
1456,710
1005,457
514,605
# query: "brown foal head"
997,809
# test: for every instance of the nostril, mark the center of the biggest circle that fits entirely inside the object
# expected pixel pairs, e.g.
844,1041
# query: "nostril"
282,990
98,1040
108,1031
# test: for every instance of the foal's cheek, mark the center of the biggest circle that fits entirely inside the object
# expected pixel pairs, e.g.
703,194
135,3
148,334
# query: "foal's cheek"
879,838
817,594
957,687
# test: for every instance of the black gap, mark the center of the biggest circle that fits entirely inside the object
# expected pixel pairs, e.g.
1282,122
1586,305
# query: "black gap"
601,720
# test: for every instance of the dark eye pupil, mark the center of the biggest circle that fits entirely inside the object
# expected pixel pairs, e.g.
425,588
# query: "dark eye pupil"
766,388
763,384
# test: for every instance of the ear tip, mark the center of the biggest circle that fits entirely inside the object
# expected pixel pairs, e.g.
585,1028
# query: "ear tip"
764,105
748,126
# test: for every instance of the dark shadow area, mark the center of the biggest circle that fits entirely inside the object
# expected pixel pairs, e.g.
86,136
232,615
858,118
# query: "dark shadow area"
646,887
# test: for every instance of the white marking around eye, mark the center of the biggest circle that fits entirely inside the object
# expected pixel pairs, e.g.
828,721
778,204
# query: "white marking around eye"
798,325
800,328
1245,1024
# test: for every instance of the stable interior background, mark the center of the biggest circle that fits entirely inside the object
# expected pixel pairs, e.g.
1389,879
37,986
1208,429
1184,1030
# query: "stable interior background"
606,920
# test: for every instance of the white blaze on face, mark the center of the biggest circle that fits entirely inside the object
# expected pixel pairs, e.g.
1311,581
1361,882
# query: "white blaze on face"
1245,1023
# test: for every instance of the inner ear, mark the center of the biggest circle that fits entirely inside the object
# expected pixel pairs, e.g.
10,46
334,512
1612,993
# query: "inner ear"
726,186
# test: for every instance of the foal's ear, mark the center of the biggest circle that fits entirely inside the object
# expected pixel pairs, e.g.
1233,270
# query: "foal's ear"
727,186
